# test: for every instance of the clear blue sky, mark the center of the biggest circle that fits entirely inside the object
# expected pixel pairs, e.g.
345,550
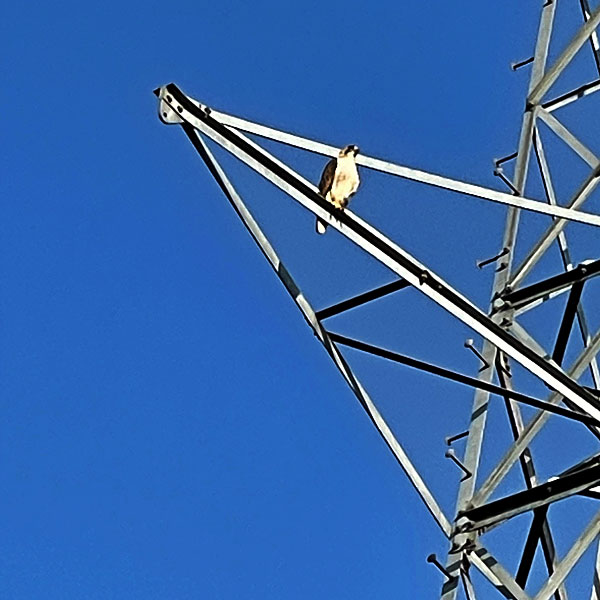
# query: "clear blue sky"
170,427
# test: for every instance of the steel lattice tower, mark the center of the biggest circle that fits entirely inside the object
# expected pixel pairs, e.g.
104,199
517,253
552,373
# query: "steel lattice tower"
508,348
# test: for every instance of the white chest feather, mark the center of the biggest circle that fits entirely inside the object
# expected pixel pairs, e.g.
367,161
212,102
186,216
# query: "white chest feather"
345,180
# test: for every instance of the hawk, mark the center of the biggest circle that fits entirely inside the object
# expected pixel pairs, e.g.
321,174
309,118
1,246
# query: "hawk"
339,181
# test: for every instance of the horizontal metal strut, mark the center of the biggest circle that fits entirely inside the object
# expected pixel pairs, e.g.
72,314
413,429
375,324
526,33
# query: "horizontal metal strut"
378,246
524,295
540,495
460,378
361,299
564,99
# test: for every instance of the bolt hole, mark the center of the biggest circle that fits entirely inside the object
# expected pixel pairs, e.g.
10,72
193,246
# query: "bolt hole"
180,109
165,115
169,98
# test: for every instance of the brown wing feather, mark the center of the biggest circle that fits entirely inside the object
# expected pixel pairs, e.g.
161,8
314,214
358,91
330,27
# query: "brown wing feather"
327,177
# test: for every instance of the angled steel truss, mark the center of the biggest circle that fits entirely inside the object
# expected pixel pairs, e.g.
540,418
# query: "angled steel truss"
504,338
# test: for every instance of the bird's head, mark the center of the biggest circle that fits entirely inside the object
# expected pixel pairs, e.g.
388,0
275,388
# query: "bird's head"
350,150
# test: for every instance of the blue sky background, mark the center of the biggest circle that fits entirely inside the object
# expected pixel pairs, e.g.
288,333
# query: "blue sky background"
171,429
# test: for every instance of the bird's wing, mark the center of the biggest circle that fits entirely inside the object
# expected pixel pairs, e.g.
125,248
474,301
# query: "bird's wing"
327,177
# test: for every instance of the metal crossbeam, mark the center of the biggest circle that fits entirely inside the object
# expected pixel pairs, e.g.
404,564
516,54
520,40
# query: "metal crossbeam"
553,490
460,378
361,299
579,274
583,90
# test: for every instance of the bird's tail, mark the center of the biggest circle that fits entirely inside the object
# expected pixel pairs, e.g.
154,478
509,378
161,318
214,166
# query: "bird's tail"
321,226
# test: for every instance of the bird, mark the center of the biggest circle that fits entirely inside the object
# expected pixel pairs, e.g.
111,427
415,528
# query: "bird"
339,181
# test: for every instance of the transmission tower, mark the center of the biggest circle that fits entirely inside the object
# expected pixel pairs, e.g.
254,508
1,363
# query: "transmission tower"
510,355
